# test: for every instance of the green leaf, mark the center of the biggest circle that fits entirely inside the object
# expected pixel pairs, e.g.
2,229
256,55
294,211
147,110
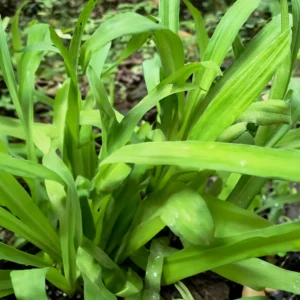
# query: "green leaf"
202,36
15,198
124,131
230,219
282,76
120,25
92,117
248,187
98,254
181,214
110,177
154,271
5,283
133,285
114,278
267,113
4,293
171,85
70,218
223,38
257,45
57,279
8,72
11,254
240,87
99,59
296,31
40,46
83,190
60,108
254,298
237,47
171,52
195,155
281,79
42,133
119,213
27,67
177,207
278,202
79,29
25,168
56,40
261,242
183,290
277,132
290,140
16,34
12,127
151,69
29,284
108,117
37,236
169,14
258,274
92,291
233,132
92,277
216,51
134,44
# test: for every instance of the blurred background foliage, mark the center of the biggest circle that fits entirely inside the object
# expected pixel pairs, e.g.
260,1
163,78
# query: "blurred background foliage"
130,87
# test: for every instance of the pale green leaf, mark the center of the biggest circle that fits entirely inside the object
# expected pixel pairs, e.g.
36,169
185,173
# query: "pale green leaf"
11,254
202,36
267,113
16,34
25,168
36,236
258,274
241,88
296,31
78,32
120,25
169,14
29,284
216,50
70,222
261,242
290,140
134,44
196,155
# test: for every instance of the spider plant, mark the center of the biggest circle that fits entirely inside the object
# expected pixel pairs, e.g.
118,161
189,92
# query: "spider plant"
97,219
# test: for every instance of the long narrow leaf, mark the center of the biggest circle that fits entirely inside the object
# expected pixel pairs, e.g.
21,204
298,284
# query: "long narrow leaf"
11,254
70,222
194,155
135,43
24,168
8,72
79,29
270,240
242,89
173,84
217,48
202,36
296,31
32,235
120,25
258,274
